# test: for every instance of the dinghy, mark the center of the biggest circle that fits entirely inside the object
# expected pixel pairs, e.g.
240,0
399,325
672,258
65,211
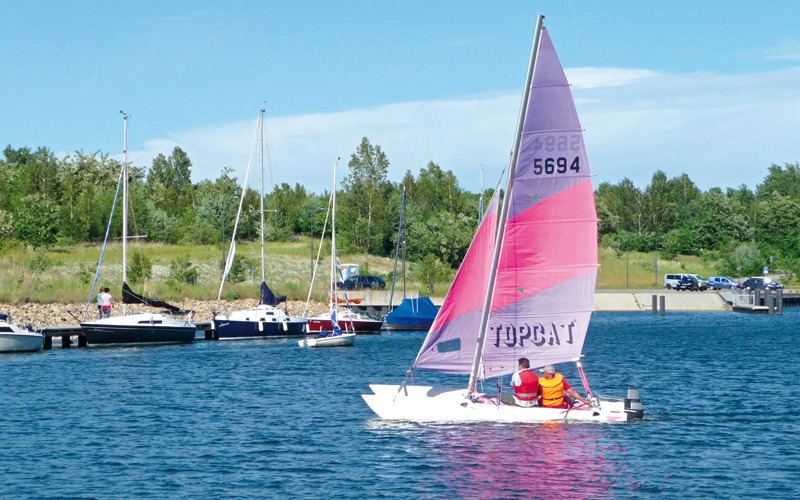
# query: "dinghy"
538,269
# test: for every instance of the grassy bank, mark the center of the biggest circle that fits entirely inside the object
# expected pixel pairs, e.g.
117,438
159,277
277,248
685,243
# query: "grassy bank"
65,274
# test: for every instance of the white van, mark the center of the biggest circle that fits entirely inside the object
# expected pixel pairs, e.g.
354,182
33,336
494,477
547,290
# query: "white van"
671,280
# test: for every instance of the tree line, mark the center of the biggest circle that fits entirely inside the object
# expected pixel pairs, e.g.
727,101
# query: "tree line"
45,200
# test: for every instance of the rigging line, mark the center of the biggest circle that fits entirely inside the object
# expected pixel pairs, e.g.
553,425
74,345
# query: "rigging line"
319,251
103,251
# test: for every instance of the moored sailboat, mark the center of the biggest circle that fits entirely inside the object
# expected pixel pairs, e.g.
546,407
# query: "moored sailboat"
336,328
265,320
141,328
538,270
413,313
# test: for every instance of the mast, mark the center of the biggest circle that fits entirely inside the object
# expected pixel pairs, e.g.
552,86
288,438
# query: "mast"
261,124
334,267
124,207
397,248
487,304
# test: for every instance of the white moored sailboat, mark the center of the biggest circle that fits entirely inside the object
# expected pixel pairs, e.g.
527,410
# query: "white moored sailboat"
331,323
537,267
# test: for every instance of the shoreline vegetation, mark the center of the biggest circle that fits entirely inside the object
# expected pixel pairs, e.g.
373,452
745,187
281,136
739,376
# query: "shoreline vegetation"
40,287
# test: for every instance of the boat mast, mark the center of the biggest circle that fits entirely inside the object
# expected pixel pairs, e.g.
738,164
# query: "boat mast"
397,249
334,267
261,124
487,304
124,208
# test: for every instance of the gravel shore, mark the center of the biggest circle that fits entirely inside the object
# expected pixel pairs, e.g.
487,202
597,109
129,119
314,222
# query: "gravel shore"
41,315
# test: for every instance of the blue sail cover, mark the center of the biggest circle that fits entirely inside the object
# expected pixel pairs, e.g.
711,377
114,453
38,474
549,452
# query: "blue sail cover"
269,298
412,314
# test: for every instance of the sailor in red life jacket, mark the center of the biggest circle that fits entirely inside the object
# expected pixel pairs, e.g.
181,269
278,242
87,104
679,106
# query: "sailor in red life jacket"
526,385
552,387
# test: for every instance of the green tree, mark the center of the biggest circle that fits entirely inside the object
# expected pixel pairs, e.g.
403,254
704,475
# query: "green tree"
782,181
365,205
37,223
169,182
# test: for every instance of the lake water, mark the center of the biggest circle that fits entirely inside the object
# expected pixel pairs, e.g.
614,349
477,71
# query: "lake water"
265,419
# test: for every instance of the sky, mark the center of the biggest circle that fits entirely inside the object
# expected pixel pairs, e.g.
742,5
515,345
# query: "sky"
710,89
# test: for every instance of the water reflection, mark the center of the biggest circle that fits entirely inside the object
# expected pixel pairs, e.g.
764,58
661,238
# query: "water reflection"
553,460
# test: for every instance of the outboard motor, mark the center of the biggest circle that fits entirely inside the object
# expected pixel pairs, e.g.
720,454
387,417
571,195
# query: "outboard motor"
633,405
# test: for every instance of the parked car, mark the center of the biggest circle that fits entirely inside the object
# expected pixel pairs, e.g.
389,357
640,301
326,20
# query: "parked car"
688,282
761,283
702,283
362,282
722,283
671,280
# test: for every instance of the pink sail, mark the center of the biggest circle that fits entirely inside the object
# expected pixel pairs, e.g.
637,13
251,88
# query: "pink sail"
450,344
547,270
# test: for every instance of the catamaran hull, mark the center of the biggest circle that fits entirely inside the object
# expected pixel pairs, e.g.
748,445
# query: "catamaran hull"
98,334
233,329
342,340
358,326
425,403
21,342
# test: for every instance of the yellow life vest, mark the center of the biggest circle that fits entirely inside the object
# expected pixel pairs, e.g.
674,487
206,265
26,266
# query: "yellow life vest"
552,391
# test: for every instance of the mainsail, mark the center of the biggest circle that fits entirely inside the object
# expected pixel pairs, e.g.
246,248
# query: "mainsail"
547,268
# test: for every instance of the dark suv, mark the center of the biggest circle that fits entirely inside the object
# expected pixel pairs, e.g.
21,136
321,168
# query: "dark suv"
688,282
761,283
362,282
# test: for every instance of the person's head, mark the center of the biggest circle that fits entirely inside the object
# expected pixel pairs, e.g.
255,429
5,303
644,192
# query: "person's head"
524,364
548,371
108,290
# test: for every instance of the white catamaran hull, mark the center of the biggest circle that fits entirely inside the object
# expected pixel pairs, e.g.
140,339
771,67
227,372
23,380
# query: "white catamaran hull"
426,403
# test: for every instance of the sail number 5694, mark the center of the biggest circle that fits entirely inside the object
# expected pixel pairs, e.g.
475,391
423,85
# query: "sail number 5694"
558,165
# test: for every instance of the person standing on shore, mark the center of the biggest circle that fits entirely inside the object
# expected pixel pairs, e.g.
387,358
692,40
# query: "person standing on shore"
100,302
107,303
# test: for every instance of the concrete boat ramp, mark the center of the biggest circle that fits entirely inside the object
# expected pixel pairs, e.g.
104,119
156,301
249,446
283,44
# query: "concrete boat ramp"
642,300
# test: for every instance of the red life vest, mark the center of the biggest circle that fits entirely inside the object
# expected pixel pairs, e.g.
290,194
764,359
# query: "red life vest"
529,388
552,391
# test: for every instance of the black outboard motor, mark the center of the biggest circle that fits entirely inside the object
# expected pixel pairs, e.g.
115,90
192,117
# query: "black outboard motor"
633,405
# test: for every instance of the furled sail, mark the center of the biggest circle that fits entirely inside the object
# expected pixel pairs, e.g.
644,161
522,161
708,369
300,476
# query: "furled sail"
129,297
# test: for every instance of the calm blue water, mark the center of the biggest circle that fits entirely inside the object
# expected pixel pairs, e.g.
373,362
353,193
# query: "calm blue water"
268,420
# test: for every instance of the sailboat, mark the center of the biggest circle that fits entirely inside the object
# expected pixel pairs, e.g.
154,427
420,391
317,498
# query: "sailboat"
335,329
14,338
415,313
538,267
141,328
266,320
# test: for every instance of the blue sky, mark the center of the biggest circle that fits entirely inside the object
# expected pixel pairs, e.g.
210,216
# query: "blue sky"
709,89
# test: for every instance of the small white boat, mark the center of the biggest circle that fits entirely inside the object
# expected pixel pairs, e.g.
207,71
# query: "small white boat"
340,340
14,338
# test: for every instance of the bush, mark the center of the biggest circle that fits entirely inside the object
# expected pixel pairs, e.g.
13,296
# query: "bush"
39,262
181,272
139,268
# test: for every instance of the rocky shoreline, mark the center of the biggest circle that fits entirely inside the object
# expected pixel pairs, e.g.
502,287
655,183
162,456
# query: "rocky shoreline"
42,315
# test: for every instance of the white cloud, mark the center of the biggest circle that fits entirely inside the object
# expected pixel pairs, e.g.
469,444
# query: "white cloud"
722,130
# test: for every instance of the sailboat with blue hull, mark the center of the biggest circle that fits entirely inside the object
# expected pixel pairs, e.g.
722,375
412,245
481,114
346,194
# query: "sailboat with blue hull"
266,320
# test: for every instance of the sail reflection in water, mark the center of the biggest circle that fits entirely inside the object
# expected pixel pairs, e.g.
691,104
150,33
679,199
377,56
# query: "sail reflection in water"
551,460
